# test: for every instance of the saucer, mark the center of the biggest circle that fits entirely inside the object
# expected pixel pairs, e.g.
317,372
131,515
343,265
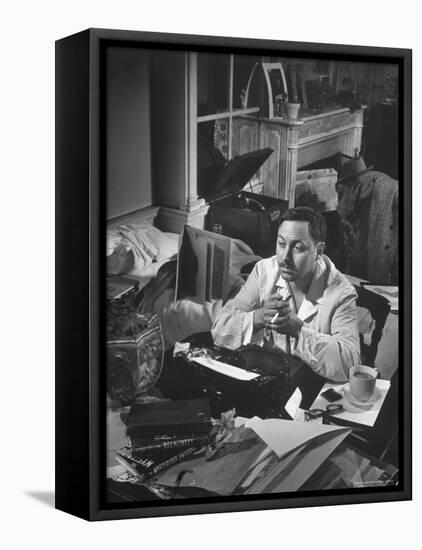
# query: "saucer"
347,394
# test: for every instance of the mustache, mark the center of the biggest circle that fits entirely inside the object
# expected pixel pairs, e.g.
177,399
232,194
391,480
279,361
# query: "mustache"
286,265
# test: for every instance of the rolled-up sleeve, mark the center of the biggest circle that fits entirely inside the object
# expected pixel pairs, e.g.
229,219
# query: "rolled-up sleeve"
233,325
332,355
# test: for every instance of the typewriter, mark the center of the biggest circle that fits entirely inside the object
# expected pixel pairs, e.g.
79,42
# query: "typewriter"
264,396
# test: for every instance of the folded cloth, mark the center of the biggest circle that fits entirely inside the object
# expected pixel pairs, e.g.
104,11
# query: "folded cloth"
186,317
144,242
121,259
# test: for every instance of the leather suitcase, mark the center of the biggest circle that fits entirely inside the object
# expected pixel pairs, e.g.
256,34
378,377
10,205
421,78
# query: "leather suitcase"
243,215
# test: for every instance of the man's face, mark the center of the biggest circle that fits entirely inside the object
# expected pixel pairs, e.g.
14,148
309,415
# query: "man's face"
296,250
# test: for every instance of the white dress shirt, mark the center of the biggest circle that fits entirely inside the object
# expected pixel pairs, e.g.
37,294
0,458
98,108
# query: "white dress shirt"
329,339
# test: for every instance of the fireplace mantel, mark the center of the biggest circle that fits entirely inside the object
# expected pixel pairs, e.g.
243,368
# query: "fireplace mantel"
297,143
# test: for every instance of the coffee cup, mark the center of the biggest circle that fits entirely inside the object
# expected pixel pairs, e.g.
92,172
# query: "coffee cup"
362,381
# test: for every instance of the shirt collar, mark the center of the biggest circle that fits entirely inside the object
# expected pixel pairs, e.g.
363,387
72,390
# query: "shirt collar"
283,288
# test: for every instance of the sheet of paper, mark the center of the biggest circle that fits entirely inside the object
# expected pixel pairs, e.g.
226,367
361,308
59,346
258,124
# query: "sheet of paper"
293,404
357,414
350,466
272,471
241,420
301,417
283,436
228,370
115,471
306,463
262,462
116,436
180,347
223,472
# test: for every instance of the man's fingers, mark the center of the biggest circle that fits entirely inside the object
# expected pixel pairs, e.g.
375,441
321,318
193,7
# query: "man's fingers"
285,309
278,320
275,299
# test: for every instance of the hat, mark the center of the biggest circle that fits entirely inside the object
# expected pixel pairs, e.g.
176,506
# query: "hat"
352,169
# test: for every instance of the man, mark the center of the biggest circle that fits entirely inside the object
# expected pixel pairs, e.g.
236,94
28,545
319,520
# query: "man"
298,300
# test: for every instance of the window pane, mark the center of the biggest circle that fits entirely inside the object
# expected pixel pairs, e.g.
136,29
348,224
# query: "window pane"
243,65
213,83
212,153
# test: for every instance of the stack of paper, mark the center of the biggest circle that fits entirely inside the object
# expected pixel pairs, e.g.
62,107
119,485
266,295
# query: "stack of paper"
294,452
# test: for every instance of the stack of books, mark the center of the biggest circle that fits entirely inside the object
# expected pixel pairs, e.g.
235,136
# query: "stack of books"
164,433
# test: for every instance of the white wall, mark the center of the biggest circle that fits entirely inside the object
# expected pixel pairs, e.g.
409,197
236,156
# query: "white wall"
27,275
128,131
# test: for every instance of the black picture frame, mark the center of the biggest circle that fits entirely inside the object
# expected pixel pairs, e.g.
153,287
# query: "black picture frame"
80,268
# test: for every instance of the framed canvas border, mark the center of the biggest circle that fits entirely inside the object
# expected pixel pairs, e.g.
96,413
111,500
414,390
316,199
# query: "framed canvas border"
80,269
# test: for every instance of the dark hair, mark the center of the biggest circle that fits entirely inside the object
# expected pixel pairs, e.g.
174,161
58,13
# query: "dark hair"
317,227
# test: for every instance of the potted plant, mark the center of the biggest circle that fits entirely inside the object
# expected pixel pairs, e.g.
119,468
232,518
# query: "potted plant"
292,108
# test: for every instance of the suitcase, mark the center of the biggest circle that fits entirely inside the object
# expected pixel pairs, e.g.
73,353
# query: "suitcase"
243,215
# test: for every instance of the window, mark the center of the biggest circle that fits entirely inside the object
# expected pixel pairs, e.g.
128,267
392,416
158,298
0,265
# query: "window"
217,96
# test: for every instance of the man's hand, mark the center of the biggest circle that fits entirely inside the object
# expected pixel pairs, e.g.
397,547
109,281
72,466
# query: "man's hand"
273,305
277,315
289,324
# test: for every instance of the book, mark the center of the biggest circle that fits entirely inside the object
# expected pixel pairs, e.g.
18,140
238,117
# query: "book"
149,463
169,418
167,441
